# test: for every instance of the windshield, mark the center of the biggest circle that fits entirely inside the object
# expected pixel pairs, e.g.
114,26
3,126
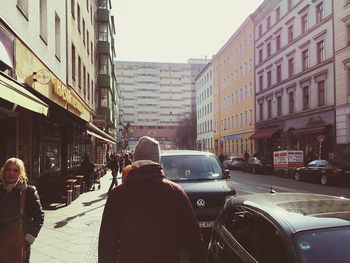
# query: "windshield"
191,167
324,245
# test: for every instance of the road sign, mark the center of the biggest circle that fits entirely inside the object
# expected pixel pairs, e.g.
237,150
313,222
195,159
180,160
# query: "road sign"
321,138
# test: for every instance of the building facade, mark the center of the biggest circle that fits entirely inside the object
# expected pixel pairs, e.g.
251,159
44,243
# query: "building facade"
233,85
204,107
157,98
294,76
342,76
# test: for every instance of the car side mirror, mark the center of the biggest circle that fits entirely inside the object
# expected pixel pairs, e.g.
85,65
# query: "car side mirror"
227,174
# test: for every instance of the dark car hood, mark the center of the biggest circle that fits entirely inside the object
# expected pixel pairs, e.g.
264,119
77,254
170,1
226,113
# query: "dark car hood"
209,188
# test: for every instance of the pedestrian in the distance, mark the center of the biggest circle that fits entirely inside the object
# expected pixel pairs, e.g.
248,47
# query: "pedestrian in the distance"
87,168
149,219
115,169
13,190
127,160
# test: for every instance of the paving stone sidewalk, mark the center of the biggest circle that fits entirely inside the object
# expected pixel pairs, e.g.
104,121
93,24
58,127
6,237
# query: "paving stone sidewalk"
70,234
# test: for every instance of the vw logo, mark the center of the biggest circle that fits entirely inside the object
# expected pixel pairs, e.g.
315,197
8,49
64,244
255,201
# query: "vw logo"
200,203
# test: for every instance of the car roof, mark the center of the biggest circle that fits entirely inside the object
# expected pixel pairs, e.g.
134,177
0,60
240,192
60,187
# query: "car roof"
299,211
183,152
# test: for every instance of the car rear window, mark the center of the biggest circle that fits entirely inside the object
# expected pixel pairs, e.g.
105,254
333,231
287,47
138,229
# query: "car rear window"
323,245
191,167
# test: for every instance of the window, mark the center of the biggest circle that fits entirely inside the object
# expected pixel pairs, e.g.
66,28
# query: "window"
103,32
260,30
290,5
291,67
268,22
57,36
92,22
321,93
319,12
73,61
102,4
305,59
291,102
269,78
72,7
278,73
104,97
269,109
261,113
320,51
88,86
304,23
348,78
260,55
306,98
84,31
279,105
268,49
250,116
290,34
278,13
103,64
78,17
348,34
53,153
92,53
43,20
261,83
79,72
87,41
22,5
278,42
84,81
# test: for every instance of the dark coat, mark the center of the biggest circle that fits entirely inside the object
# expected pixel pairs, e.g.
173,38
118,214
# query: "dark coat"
149,219
33,212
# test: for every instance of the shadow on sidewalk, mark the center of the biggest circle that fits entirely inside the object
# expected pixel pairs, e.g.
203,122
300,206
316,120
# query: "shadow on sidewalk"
64,222
102,197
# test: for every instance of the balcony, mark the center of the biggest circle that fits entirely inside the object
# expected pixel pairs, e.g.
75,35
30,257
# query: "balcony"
103,47
104,80
103,15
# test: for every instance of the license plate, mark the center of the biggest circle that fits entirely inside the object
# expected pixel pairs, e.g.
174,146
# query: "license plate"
206,224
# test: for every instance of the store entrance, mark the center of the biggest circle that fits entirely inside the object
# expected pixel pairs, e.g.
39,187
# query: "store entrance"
8,133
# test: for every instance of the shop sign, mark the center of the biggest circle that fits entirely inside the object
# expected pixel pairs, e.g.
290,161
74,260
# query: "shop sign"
65,94
42,76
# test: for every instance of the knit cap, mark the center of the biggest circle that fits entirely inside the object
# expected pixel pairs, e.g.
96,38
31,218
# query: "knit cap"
147,148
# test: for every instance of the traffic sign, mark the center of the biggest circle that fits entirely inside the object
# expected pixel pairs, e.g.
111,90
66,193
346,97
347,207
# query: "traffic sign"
321,138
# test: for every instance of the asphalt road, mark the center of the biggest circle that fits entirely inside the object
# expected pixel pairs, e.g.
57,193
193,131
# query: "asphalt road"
246,183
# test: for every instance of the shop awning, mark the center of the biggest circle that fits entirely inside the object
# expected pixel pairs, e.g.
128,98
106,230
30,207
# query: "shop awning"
98,133
13,92
309,130
263,134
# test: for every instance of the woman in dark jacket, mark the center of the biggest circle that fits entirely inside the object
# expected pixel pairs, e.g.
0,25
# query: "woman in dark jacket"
13,181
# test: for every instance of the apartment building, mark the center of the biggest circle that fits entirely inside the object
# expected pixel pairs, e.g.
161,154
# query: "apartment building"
204,107
157,98
342,76
233,93
294,76
107,93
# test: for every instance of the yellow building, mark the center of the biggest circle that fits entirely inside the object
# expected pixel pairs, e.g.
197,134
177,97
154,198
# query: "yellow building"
234,98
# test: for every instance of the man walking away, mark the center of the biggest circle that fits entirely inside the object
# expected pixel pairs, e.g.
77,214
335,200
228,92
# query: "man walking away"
115,168
148,218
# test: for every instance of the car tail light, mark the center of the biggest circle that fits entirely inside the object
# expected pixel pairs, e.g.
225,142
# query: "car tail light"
337,171
261,165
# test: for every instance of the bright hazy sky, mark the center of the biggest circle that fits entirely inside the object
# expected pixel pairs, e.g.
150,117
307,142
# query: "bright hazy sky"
176,30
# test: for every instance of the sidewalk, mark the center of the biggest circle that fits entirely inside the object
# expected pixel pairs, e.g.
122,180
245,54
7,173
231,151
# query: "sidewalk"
70,234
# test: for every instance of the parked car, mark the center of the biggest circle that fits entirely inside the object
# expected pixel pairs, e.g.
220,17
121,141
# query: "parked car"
282,227
233,162
324,172
258,165
203,179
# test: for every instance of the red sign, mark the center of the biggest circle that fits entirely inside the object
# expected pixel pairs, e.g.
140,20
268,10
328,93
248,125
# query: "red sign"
321,138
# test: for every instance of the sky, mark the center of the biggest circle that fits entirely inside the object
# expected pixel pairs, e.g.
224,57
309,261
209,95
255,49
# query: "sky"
176,30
